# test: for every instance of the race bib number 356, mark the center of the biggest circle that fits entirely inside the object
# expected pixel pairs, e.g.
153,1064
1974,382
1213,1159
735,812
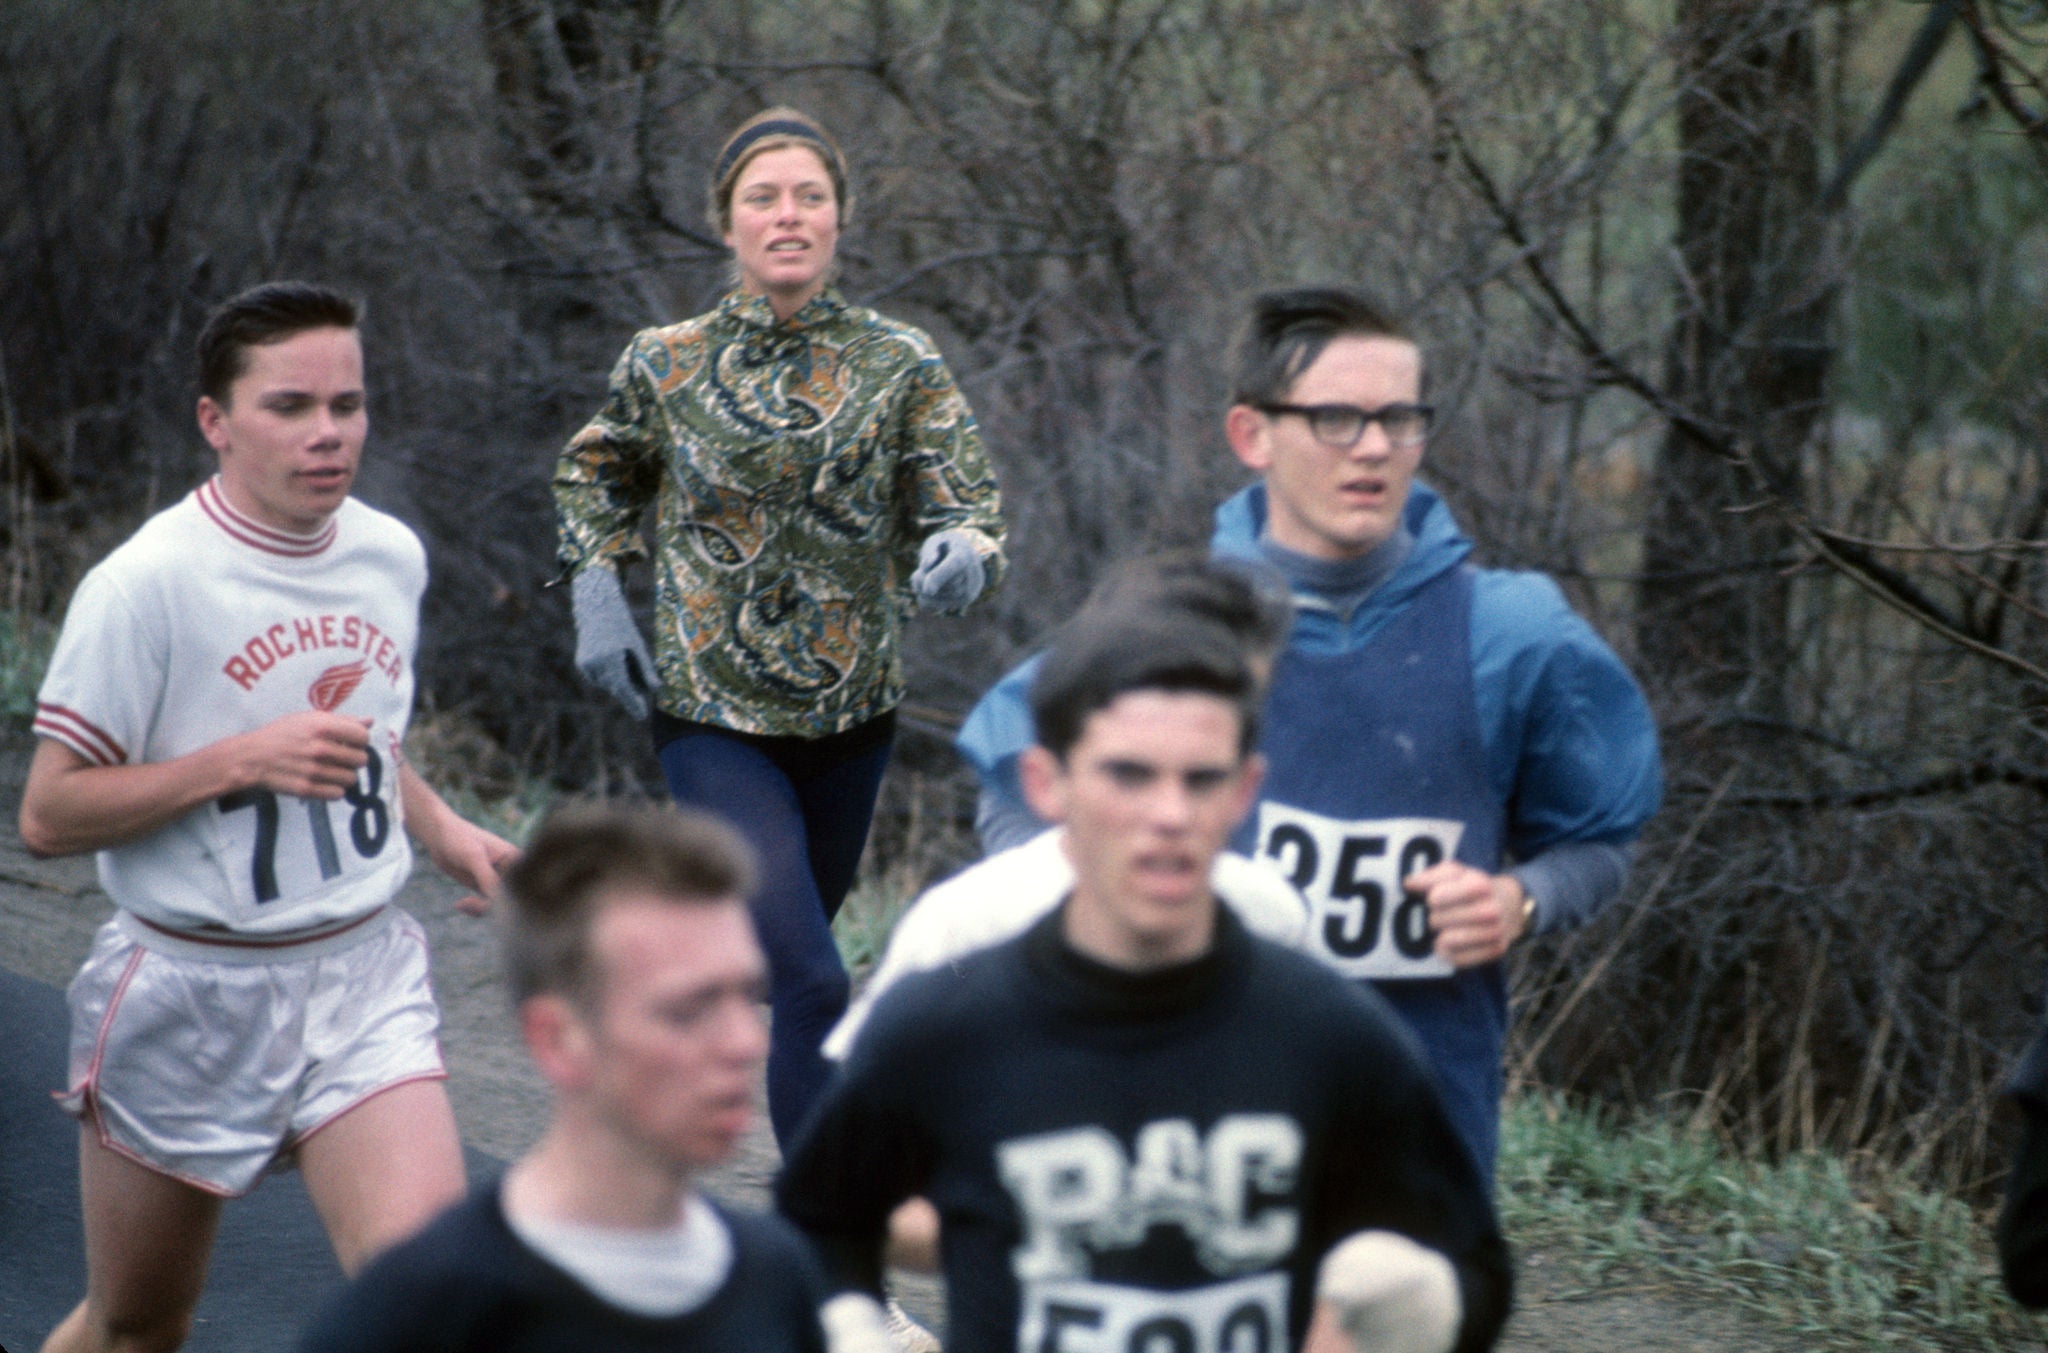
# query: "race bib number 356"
1248,1315
1351,872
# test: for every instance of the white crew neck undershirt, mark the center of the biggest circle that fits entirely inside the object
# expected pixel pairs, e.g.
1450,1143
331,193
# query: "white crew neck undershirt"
660,1273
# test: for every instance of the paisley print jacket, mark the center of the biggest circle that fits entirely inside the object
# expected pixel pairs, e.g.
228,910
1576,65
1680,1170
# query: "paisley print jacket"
795,469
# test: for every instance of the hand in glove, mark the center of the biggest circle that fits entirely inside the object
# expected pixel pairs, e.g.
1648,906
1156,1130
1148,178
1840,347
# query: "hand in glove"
609,650
1391,1295
949,574
854,1323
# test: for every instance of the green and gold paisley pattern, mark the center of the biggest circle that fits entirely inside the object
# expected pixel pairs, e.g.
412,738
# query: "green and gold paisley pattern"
795,469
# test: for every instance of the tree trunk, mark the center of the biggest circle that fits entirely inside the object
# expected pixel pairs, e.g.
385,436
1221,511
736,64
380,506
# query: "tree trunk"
1749,355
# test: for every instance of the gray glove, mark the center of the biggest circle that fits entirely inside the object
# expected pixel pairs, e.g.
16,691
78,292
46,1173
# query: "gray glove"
949,574
609,650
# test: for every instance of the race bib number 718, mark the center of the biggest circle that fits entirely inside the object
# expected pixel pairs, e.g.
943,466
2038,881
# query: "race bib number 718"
289,857
1351,872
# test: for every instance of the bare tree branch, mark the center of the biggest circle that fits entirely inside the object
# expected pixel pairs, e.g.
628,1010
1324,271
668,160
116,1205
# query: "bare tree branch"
1926,45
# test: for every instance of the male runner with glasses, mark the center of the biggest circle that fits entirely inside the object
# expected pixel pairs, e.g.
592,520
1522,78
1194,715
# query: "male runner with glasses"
1455,759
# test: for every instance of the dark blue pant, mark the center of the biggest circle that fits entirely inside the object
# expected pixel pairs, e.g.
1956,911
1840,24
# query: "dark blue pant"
804,805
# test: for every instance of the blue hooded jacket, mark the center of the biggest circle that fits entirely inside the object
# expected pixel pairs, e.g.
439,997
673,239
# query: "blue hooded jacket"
1570,743
1570,757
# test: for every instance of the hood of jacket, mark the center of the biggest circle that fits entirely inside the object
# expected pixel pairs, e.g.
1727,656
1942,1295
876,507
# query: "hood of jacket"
1439,547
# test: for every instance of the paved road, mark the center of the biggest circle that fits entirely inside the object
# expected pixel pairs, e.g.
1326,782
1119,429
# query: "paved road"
272,1263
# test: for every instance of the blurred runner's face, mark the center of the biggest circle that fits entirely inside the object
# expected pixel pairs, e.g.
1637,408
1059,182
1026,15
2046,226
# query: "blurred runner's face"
785,225
677,1035
290,434
1148,794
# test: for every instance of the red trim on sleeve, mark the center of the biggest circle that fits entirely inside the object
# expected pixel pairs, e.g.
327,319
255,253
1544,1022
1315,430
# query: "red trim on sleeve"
78,733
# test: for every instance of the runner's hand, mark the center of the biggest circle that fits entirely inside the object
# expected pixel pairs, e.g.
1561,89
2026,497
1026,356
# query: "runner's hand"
313,754
1476,915
474,858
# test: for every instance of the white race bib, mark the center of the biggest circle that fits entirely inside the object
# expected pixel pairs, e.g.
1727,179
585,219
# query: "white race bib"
282,846
1248,1315
1364,925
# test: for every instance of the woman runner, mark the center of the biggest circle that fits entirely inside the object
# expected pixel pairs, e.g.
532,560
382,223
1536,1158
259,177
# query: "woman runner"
814,468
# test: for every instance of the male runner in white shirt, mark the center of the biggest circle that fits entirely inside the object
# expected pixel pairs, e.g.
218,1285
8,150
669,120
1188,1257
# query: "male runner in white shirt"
222,722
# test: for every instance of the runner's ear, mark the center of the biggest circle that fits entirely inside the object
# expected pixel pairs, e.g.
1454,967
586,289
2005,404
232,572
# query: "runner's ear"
1043,778
559,1040
1245,429
213,422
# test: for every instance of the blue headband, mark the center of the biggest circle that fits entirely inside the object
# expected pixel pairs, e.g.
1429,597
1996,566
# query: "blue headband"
778,127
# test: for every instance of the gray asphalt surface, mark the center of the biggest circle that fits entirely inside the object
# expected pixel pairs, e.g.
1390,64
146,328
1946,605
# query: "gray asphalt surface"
271,1265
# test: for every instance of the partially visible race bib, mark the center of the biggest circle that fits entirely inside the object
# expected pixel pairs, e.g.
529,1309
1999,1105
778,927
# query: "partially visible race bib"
1248,1315
1364,925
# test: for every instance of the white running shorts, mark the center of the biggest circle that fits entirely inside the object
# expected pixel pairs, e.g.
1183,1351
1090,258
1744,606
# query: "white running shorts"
210,1063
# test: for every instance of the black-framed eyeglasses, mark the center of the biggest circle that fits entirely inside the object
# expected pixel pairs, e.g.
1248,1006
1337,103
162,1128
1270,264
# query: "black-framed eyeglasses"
1339,426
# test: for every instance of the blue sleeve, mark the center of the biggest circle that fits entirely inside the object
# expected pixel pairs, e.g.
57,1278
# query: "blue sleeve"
996,732
1573,881
1570,743
1002,820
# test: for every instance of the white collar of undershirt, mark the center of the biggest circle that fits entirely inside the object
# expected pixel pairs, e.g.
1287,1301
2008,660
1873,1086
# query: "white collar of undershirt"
665,1272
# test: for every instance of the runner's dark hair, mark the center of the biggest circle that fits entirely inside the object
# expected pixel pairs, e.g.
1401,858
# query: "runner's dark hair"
586,851
1201,584
1288,329
1189,625
267,313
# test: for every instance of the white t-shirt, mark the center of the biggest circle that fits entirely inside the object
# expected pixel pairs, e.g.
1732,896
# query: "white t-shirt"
1000,897
205,624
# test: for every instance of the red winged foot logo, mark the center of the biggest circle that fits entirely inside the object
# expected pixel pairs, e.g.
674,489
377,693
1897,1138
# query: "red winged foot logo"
336,684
